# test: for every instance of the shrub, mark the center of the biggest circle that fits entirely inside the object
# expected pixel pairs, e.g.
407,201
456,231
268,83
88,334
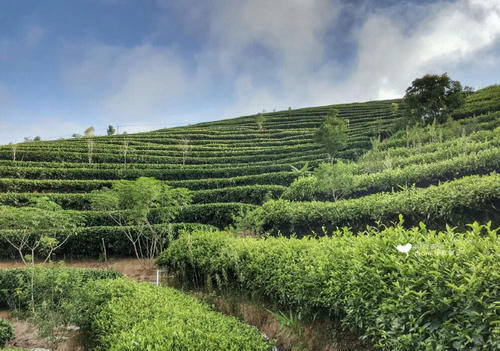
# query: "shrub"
6,332
458,202
440,295
125,315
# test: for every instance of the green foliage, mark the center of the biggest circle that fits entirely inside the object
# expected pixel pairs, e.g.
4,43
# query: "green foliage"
131,203
332,134
483,101
441,295
50,286
457,202
260,120
89,241
433,97
303,189
427,169
111,130
335,178
125,315
6,332
41,214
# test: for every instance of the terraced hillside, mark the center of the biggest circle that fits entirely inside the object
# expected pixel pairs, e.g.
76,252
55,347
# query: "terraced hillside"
230,165
233,166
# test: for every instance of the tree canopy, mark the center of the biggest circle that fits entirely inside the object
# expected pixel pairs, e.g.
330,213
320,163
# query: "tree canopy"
332,134
131,204
433,97
22,227
111,130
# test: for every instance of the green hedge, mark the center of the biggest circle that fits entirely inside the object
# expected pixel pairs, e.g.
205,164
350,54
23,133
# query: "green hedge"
172,174
141,158
482,162
455,202
76,186
125,315
88,241
442,295
119,314
15,284
251,194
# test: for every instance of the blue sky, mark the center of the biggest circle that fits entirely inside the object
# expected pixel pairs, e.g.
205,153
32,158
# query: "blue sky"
147,64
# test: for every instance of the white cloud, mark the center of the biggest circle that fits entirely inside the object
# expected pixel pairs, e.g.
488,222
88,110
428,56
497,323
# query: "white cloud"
389,59
275,54
390,54
128,83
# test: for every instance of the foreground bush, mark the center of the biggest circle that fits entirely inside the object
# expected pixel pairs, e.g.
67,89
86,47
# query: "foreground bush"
6,332
441,295
120,314
125,315
21,287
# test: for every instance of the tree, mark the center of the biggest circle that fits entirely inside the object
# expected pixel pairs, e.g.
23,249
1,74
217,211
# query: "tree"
76,135
23,228
185,147
28,224
332,134
124,149
337,179
14,151
37,138
111,130
131,205
433,97
260,120
89,135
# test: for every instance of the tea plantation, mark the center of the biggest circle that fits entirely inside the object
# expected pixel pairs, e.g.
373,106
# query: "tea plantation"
403,253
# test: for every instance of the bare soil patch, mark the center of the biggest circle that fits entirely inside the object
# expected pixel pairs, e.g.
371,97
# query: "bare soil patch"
26,336
144,270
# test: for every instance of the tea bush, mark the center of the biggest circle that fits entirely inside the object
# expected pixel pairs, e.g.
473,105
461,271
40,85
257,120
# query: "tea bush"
6,332
456,202
440,295
125,315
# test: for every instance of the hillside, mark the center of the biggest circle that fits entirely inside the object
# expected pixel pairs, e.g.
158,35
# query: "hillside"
234,165
401,255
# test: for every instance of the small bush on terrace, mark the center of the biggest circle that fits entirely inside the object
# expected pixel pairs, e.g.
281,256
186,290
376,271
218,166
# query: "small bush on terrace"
6,332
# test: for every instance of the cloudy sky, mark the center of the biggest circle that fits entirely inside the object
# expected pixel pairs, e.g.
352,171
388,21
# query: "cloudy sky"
147,64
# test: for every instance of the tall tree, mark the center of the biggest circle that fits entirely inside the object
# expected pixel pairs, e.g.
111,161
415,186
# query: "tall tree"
131,204
260,121
185,147
111,130
433,97
89,135
332,134
32,229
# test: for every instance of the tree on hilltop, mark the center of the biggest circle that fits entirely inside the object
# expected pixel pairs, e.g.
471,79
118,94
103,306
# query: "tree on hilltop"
433,97
111,130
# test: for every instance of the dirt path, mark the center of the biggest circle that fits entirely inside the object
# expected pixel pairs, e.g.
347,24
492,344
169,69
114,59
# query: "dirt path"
131,267
26,336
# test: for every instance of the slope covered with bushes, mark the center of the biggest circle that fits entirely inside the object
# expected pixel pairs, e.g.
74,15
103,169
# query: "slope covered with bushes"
401,289
253,164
